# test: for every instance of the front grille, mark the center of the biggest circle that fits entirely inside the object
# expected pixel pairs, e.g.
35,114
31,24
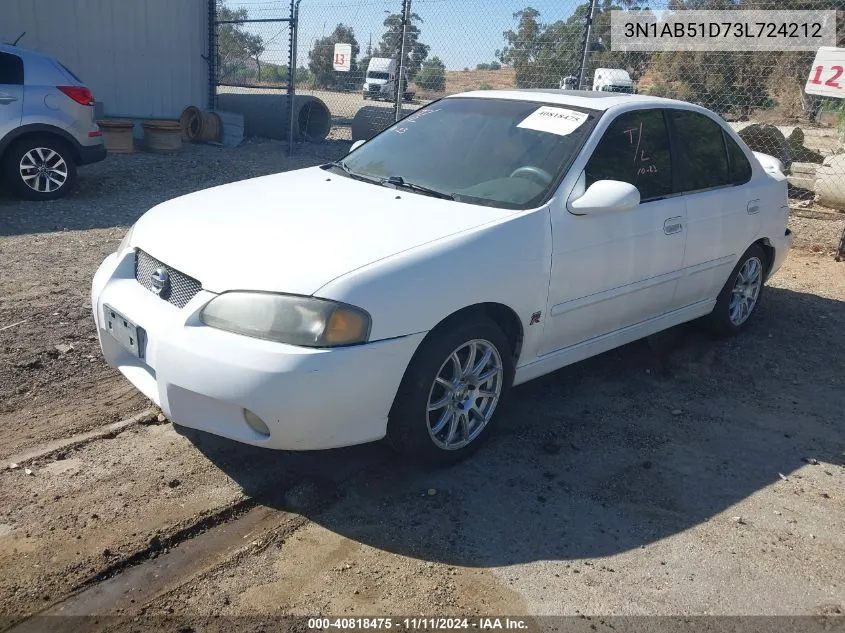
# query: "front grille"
180,288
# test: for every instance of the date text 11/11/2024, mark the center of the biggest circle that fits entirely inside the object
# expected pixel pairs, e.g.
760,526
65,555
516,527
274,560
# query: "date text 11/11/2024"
417,623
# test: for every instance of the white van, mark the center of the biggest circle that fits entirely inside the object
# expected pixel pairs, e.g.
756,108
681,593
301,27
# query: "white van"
613,80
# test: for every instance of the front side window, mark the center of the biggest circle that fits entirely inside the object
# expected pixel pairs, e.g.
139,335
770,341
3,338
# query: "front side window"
11,69
702,156
377,75
495,152
635,149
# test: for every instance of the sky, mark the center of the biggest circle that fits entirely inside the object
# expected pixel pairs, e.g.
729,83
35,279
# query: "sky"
462,33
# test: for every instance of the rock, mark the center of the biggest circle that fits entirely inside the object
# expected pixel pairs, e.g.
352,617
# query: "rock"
676,412
796,136
174,483
28,471
739,520
782,476
13,466
161,418
64,348
432,492
812,461
830,183
767,139
106,552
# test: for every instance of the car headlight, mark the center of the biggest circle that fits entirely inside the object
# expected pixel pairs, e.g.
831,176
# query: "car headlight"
124,243
291,319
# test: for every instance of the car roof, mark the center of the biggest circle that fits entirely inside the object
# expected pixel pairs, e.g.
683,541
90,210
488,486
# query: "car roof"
21,52
593,99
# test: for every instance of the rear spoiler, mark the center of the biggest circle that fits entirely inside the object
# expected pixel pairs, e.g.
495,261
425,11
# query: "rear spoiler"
770,164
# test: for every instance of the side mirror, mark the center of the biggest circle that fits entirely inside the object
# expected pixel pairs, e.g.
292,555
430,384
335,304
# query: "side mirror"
606,196
356,145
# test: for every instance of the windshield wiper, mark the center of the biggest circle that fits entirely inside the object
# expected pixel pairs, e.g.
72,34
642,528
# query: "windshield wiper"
354,174
398,181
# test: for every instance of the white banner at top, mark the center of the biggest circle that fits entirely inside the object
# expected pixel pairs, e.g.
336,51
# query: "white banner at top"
731,30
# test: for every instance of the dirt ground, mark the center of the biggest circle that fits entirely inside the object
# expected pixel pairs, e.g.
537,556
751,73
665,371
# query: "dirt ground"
676,476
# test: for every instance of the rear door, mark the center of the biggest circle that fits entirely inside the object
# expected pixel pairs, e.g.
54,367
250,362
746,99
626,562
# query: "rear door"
11,92
722,210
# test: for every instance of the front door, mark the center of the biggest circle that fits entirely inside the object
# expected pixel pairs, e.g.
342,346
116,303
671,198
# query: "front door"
614,270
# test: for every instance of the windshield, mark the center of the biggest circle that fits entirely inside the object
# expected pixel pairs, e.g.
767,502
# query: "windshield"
494,152
377,75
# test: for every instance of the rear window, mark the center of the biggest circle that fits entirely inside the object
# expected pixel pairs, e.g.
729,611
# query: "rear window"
11,69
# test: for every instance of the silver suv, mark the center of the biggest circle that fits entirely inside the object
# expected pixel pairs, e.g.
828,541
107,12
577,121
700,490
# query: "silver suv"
47,125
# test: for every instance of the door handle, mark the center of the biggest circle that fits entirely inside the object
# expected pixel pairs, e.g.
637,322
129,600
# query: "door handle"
7,99
673,225
753,207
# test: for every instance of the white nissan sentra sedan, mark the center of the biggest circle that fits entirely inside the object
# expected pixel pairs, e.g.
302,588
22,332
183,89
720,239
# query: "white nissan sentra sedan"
487,239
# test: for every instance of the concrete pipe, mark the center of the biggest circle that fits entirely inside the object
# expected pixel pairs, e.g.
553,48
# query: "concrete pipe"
370,120
267,115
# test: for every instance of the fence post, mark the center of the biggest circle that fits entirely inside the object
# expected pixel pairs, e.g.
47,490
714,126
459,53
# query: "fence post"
406,13
294,32
212,54
590,14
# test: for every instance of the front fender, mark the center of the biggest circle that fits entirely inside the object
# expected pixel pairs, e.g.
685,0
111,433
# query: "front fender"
508,262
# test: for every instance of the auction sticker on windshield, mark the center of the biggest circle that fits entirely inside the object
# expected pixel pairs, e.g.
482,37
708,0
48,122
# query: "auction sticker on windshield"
554,120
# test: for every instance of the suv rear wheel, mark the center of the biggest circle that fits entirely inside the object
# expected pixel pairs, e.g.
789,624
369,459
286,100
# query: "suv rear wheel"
40,168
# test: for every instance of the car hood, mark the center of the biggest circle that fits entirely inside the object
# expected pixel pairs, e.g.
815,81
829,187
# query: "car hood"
295,231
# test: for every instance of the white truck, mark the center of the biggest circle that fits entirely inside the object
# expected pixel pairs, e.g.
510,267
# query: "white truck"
613,80
380,80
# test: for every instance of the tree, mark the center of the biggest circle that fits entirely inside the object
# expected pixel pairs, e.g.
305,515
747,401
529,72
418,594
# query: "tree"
542,54
539,53
321,59
490,66
237,49
415,51
432,75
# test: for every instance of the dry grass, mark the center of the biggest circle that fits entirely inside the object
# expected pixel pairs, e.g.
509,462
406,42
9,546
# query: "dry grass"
463,81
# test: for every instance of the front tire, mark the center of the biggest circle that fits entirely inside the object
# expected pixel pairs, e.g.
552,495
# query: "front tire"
448,399
40,168
741,294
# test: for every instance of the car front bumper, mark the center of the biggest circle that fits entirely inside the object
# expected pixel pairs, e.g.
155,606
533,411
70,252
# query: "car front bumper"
204,378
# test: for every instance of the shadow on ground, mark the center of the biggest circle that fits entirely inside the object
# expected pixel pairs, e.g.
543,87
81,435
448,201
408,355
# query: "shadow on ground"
598,458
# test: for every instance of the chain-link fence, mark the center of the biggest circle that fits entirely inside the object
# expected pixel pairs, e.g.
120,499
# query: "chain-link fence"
451,46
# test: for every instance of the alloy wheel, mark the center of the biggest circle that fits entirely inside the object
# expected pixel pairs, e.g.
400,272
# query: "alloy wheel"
43,170
464,394
746,290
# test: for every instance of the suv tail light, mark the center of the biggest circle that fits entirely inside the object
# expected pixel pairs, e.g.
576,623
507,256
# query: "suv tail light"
80,94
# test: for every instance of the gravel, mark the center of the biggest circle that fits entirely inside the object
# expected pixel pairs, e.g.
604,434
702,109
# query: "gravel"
677,475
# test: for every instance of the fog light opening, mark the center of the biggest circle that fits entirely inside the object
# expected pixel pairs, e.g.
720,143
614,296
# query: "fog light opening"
256,423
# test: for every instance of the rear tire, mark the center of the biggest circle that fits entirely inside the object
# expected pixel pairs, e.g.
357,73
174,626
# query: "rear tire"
40,168
450,394
738,300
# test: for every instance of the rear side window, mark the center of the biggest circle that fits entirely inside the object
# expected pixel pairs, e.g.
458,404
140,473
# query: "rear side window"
635,149
11,69
702,156
740,168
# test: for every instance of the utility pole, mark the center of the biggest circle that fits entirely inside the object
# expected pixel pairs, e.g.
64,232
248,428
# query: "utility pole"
590,14
398,93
